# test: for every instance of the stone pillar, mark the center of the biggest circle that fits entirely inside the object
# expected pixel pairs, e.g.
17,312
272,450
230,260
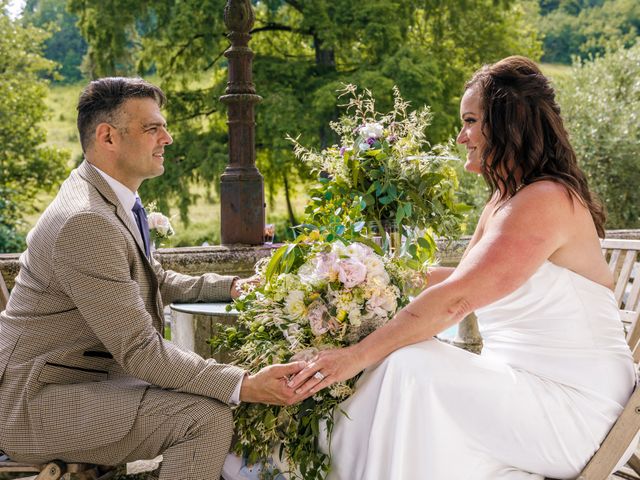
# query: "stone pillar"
242,186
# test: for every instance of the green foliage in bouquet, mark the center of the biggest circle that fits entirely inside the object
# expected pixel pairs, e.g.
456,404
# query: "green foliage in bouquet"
385,164
318,292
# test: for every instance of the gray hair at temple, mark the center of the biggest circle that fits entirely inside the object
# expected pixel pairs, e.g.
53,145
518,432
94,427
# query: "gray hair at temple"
100,100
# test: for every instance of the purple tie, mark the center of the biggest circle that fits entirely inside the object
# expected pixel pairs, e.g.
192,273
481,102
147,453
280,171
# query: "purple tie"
141,220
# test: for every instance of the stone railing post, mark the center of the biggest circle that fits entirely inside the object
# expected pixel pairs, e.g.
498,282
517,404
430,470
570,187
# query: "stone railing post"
242,186
468,336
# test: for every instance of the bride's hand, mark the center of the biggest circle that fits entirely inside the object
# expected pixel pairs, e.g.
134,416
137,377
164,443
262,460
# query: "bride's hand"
326,368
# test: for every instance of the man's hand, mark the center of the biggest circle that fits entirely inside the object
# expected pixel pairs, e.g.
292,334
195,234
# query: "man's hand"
269,385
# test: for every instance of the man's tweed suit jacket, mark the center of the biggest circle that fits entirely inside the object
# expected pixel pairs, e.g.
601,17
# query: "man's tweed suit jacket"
81,340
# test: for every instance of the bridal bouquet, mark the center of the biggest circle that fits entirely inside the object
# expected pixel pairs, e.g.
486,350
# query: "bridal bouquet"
316,294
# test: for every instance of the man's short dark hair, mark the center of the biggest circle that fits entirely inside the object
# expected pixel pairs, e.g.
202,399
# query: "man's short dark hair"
101,99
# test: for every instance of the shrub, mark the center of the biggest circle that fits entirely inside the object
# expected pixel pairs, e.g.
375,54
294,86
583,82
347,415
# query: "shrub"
601,105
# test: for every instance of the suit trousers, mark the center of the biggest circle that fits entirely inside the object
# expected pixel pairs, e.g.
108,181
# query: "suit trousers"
192,432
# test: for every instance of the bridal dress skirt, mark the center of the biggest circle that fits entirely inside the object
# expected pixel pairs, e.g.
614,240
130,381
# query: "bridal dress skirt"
431,411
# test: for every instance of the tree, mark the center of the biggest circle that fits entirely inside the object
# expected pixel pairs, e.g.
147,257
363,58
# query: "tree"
305,50
65,45
600,102
26,166
587,28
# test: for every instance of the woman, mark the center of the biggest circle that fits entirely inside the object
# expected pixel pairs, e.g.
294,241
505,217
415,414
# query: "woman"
555,370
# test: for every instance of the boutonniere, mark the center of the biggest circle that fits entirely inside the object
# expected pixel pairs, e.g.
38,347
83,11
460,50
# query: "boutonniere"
159,225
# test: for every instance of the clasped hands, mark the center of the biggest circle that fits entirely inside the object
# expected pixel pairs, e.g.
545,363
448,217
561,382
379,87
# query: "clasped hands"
286,384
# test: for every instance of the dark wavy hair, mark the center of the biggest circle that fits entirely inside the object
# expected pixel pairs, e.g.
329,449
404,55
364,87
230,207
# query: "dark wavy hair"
524,133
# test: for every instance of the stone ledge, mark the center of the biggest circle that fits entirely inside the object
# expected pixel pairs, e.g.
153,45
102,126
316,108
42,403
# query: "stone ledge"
240,259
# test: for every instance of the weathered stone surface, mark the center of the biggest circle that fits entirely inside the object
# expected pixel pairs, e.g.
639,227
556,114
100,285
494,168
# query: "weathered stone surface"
9,267
227,260
240,259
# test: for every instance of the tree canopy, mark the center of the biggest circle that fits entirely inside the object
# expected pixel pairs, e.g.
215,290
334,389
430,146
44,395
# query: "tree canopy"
305,50
26,165
587,28
65,45
606,139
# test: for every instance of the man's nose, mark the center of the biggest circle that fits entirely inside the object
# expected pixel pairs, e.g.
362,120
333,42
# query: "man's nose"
168,140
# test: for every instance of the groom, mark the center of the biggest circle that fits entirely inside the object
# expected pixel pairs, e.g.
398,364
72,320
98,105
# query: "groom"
85,374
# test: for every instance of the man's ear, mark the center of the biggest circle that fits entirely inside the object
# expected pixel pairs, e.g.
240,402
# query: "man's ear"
105,135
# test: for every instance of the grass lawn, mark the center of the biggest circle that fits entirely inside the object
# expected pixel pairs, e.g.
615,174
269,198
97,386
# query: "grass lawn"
555,71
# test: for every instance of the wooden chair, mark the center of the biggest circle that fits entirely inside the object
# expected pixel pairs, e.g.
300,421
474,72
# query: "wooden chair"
622,256
56,470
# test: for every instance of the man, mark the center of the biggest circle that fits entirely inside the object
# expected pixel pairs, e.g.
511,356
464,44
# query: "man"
85,374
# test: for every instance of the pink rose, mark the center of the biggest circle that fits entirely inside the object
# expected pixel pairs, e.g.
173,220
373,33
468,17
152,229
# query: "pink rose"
320,319
351,272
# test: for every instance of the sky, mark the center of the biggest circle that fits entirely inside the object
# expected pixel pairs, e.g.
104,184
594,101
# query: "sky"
15,7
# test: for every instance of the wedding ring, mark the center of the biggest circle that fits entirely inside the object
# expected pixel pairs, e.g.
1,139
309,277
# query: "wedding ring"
318,375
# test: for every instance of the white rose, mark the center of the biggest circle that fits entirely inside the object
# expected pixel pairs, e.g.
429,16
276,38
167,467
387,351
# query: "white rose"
372,130
355,317
360,251
160,223
294,304
376,273
382,302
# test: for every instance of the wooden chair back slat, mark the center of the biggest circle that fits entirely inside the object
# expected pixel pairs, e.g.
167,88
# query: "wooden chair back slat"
613,259
631,325
622,279
630,319
622,257
633,300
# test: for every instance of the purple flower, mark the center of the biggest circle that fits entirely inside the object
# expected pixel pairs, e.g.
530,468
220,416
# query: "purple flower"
342,150
392,138
371,141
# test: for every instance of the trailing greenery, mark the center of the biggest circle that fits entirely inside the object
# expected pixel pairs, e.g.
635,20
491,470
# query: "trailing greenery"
601,104
26,165
317,292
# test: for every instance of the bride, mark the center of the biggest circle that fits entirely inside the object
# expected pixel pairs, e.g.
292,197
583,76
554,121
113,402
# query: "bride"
555,370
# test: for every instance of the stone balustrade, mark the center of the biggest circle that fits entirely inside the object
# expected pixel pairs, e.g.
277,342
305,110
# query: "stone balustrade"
241,259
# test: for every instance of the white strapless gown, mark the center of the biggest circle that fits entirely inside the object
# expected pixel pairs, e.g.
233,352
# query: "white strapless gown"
554,374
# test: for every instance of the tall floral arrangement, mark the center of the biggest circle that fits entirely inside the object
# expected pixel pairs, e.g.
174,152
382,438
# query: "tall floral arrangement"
336,282
385,163
316,294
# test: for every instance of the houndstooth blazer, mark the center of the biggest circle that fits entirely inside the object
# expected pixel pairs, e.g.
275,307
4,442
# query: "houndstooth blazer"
81,338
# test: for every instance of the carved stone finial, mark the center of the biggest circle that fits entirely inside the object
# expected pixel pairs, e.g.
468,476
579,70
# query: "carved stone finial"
239,16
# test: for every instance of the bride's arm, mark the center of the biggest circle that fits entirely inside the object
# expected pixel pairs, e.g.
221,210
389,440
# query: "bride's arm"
517,239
